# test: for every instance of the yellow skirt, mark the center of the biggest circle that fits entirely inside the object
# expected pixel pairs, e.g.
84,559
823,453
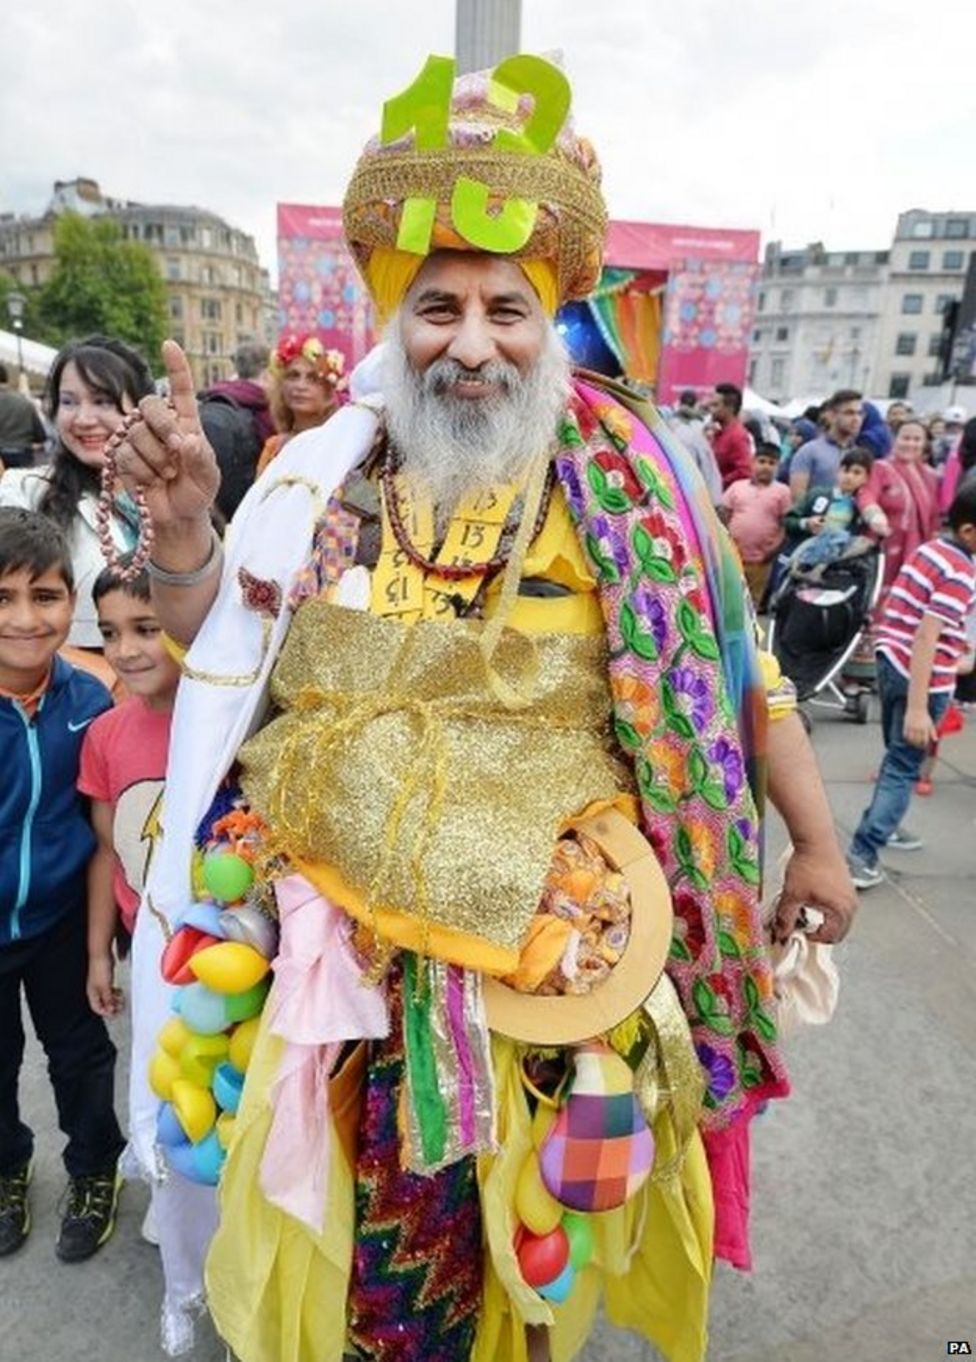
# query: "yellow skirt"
277,1291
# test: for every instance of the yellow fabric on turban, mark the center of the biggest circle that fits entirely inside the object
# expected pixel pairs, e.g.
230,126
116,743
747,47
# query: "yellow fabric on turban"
568,229
389,274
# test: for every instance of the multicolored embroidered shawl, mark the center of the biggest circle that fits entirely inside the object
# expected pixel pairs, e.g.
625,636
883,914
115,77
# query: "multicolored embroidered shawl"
690,711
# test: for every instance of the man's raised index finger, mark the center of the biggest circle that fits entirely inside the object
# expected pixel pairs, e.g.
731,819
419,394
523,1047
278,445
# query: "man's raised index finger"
181,390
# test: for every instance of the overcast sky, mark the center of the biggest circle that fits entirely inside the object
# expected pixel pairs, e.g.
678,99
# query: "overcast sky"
807,119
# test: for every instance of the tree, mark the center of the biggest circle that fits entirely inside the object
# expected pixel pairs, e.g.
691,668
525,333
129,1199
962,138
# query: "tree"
103,284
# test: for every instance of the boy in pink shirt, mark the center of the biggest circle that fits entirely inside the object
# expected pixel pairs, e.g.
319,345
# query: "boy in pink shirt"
754,509
123,763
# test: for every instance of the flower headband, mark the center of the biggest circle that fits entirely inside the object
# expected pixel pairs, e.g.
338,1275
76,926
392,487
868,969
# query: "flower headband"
329,364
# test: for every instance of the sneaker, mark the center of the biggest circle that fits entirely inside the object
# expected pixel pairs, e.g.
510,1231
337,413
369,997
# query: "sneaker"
89,1217
15,1216
903,840
863,876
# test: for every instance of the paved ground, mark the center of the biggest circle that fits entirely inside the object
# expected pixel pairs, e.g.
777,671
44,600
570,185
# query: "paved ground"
866,1204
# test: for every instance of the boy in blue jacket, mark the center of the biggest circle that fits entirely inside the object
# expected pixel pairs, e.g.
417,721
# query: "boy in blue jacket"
45,845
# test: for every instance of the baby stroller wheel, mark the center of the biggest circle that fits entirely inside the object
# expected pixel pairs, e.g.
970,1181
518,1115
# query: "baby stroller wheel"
859,707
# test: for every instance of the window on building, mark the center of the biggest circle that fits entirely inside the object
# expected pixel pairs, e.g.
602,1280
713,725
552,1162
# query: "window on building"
922,229
952,260
208,275
851,258
33,270
957,229
786,299
206,238
180,339
782,333
212,343
881,257
210,309
899,384
932,380
172,267
187,234
912,303
935,344
855,333
751,376
919,260
176,309
830,297
172,234
942,301
906,342
239,314
777,373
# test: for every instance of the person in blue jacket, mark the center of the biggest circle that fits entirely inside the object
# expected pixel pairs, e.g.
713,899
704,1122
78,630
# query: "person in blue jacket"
45,845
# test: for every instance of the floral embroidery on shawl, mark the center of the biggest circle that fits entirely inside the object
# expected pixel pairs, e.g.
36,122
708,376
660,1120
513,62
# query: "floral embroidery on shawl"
674,716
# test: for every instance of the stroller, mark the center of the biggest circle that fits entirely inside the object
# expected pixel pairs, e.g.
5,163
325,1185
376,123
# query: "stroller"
816,623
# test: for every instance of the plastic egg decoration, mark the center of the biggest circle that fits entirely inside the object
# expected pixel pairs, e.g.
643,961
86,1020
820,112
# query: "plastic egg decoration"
558,1290
203,1010
227,876
535,1206
542,1258
229,967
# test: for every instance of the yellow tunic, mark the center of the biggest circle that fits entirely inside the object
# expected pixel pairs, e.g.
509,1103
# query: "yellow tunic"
278,1292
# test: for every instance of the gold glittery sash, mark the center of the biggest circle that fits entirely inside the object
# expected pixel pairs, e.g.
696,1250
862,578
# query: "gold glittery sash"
398,767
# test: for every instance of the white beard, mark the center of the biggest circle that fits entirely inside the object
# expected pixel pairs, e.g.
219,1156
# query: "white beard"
450,446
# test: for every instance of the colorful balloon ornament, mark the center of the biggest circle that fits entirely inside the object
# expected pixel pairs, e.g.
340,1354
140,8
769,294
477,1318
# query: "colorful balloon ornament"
218,961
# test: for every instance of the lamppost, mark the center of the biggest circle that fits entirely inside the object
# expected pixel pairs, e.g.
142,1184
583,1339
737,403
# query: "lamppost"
15,306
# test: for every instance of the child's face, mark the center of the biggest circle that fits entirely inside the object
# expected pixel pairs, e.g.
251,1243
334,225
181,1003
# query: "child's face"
134,647
35,616
764,468
852,479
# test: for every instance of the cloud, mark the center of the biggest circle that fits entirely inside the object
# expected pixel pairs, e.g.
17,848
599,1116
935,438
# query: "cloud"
817,119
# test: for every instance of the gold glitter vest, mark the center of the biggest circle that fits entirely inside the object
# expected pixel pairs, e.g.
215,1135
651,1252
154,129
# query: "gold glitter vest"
399,783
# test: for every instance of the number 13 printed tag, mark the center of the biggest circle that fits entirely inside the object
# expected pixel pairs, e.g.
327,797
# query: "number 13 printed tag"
425,107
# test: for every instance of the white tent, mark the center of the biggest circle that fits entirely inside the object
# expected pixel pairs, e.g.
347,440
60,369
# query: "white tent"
798,405
37,358
751,401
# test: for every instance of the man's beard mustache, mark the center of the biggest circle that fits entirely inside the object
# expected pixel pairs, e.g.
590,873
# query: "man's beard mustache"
450,446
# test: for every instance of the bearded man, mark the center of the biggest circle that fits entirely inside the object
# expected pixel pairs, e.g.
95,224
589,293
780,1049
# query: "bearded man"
478,666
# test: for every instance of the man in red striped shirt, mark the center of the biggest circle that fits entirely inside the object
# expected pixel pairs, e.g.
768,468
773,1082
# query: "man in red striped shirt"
920,641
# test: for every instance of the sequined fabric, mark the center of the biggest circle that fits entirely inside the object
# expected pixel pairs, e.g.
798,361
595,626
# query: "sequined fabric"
415,1290
394,762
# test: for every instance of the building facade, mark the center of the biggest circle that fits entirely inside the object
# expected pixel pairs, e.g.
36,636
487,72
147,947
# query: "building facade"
217,292
927,271
816,323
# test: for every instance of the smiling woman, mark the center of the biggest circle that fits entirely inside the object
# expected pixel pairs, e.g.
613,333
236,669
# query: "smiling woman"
92,384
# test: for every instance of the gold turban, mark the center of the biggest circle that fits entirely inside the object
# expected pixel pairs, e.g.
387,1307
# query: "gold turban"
563,253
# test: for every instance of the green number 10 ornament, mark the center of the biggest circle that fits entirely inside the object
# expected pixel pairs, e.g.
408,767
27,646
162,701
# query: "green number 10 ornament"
425,107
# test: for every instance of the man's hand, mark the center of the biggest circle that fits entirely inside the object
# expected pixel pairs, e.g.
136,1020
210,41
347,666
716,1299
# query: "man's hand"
815,523
816,878
166,454
103,997
919,728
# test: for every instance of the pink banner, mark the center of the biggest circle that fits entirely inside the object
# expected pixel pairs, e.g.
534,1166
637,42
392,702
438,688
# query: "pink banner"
708,314
319,289
661,246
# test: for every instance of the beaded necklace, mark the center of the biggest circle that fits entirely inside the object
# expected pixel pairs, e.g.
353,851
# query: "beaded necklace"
450,572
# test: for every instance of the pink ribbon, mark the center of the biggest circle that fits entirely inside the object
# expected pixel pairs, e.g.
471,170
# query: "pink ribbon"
319,1001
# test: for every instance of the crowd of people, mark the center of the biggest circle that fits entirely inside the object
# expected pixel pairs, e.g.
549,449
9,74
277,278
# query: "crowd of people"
443,695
